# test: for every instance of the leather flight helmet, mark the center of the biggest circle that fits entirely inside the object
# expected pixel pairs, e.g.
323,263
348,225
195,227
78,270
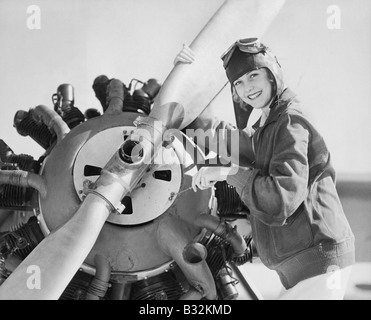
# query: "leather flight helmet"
250,54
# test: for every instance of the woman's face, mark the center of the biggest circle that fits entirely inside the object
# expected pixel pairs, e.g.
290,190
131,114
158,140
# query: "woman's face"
254,88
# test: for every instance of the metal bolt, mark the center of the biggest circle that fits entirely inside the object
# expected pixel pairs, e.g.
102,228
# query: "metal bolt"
172,196
86,183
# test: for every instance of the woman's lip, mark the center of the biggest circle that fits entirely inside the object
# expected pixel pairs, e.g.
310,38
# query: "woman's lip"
255,95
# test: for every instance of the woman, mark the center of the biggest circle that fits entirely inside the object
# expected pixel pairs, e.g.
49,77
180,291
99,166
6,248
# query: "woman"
287,180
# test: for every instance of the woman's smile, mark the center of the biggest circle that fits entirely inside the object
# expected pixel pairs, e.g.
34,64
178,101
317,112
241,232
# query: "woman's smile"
255,95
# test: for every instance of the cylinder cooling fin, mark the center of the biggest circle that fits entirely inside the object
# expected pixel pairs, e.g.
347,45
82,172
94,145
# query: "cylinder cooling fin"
11,196
26,125
23,238
229,204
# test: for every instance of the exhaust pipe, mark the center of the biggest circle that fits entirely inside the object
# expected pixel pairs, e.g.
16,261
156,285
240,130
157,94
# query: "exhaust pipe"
175,239
99,285
225,231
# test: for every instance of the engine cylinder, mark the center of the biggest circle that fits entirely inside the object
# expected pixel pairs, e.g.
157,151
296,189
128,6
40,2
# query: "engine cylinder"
27,126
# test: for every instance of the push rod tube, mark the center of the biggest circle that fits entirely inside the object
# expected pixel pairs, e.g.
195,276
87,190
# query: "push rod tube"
52,120
24,179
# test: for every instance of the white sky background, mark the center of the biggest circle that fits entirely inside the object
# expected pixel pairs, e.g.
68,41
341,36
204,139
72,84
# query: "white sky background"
78,40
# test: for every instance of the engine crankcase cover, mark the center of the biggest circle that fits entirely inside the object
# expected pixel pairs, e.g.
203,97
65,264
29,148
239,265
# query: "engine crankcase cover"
128,240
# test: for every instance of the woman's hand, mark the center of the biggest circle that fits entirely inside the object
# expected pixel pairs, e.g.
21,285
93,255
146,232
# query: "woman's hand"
206,177
186,55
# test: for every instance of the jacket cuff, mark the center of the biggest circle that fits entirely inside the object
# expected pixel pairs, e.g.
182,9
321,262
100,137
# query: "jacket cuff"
239,178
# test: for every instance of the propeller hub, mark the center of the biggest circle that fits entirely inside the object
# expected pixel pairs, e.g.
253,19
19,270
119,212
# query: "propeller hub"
150,198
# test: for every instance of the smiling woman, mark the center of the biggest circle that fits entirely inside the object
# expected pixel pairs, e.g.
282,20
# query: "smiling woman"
256,90
288,183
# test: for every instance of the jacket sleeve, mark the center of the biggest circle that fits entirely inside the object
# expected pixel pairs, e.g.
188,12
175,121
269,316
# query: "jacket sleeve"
230,143
276,195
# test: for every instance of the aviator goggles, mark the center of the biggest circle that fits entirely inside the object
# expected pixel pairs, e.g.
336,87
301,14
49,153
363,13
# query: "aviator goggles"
249,45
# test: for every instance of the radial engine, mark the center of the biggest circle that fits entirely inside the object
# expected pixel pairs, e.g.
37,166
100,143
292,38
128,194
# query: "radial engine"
163,242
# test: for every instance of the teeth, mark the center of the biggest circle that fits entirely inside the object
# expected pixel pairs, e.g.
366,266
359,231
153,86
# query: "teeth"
254,96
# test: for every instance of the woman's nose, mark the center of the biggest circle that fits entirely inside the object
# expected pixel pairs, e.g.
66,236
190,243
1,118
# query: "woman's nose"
248,89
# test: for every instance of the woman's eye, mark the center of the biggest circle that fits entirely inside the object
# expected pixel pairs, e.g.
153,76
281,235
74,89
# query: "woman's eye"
252,76
237,83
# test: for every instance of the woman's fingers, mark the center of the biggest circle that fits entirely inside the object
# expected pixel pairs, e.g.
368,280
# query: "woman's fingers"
186,55
188,51
197,180
203,179
207,181
184,58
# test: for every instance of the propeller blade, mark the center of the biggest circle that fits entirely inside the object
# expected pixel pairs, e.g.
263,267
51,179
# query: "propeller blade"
49,268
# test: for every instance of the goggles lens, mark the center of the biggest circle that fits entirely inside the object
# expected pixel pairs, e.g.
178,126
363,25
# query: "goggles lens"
249,45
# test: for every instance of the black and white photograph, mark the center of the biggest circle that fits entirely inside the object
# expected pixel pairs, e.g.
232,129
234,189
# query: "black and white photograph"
207,151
